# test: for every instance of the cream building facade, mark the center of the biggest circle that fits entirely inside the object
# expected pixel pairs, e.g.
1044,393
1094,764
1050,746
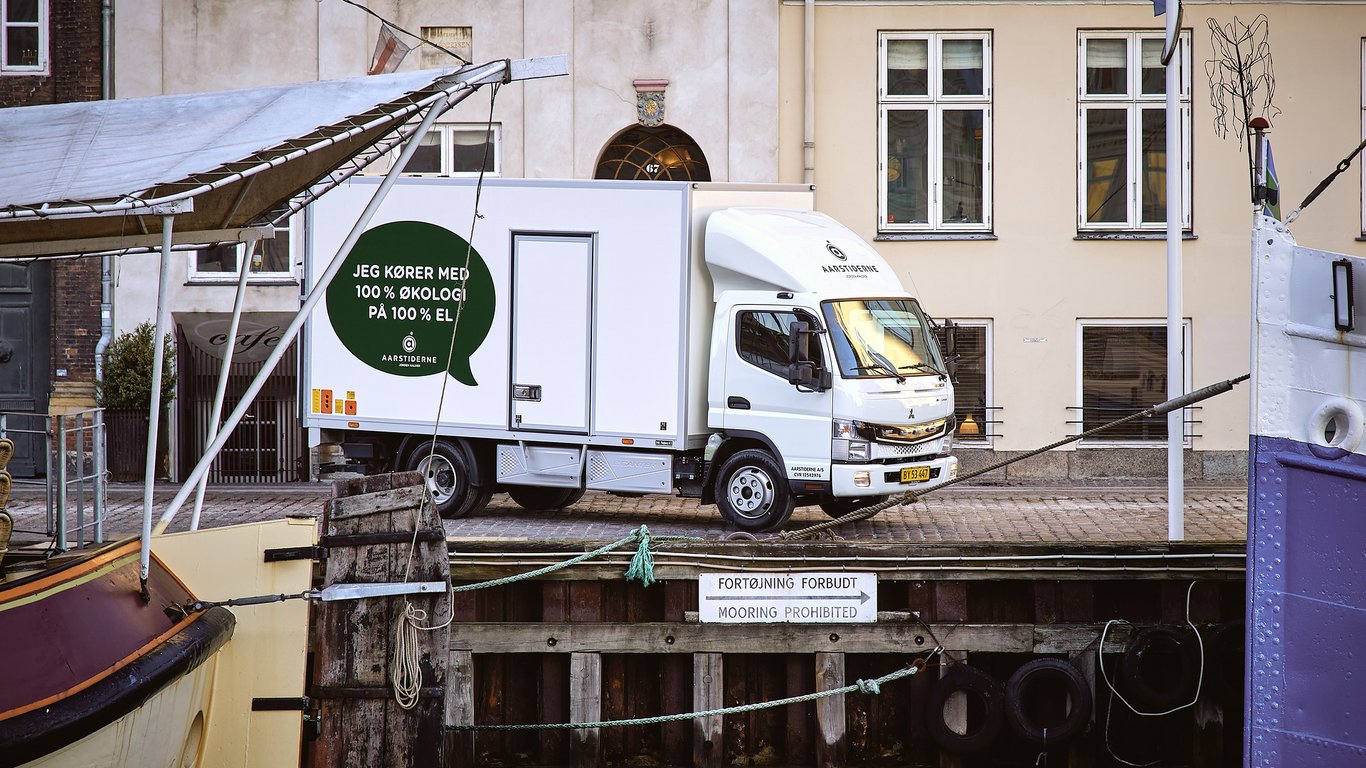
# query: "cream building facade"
1031,131
1006,157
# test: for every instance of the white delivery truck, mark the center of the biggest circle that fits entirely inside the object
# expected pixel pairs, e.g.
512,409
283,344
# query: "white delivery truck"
720,341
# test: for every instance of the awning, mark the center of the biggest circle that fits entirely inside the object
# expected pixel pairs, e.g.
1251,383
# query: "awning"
98,175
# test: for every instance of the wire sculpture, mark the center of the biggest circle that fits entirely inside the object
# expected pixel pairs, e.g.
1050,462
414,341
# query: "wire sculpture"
1242,81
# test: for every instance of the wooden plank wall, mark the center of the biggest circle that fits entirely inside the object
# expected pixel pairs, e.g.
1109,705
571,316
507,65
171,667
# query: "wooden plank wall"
535,646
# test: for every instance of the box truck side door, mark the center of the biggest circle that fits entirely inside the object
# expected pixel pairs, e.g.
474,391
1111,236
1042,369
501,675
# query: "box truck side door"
759,399
551,332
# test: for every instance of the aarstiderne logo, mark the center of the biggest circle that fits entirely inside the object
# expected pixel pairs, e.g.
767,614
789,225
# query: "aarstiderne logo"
835,251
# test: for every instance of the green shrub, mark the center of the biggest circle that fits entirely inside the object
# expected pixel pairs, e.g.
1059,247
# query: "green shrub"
128,362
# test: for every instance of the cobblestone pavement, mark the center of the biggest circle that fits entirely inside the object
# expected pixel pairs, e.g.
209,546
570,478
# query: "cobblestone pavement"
961,514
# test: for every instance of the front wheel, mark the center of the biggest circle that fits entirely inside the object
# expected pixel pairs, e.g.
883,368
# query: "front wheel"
449,473
752,492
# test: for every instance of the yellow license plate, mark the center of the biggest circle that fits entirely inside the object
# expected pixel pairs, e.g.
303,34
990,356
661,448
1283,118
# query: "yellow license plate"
915,474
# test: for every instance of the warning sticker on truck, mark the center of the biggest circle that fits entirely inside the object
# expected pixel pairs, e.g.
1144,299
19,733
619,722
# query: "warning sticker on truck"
396,298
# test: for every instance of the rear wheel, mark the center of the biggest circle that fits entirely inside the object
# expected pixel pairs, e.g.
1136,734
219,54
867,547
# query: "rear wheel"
540,499
450,476
839,506
752,492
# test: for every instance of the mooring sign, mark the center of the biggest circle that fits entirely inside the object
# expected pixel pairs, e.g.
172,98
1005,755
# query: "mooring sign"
792,598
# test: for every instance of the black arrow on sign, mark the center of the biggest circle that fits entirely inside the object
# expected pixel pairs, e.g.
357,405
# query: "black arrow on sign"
862,597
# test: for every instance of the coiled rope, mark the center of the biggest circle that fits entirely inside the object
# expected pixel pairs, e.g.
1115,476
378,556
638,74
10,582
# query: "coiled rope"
870,687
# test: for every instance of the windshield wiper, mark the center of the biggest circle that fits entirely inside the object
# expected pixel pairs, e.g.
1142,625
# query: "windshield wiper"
881,363
923,367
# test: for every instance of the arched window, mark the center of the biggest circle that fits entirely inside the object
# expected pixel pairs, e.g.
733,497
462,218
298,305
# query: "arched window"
653,154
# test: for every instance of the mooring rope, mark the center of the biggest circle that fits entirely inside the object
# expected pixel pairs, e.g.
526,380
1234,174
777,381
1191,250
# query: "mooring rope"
870,687
407,672
911,497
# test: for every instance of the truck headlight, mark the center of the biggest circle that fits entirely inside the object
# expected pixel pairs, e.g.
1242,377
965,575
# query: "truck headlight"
849,440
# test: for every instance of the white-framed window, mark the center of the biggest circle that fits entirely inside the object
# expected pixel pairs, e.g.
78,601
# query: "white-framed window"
23,36
969,358
934,131
459,150
271,260
1121,370
1121,131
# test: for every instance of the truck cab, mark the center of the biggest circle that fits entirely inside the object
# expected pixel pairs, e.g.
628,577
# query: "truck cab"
827,385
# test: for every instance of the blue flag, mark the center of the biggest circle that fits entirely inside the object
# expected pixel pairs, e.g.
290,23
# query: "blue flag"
1159,7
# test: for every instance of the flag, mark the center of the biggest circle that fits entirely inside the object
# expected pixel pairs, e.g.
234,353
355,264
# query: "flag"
389,51
1159,7
1270,185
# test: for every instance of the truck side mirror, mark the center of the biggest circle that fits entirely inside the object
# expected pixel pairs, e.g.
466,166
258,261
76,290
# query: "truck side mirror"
802,371
798,342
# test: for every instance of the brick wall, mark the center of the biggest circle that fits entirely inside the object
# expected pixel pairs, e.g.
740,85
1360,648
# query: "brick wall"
74,58
74,74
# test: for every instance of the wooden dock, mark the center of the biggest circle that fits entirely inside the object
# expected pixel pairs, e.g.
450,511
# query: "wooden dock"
585,645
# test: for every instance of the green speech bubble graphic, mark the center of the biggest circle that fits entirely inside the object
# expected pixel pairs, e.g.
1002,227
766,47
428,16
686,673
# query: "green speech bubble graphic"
395,300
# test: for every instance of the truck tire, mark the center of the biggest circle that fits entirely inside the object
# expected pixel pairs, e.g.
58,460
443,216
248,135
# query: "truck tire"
839,506
752,491
450,478
540,499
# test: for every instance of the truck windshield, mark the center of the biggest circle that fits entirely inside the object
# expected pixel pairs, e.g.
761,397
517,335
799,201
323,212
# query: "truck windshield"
881,338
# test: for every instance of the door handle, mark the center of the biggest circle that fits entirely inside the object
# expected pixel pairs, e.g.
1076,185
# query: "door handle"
530,392
738,403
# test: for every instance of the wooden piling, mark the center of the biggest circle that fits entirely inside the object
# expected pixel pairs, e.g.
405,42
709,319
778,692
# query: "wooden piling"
368,531
831,747
707,688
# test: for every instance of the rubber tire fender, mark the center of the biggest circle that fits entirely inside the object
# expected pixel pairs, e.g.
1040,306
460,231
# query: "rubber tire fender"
973,682
1144,647
1029,675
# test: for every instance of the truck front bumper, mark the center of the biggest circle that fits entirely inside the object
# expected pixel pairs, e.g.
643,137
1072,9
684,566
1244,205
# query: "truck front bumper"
890,479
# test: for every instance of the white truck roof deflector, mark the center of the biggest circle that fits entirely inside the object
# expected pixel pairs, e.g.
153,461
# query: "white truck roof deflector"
798,251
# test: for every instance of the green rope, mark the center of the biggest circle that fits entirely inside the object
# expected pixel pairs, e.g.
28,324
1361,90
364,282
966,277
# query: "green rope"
871,687
641,569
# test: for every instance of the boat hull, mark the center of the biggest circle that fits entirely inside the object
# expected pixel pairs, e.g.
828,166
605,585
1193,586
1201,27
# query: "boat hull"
87,647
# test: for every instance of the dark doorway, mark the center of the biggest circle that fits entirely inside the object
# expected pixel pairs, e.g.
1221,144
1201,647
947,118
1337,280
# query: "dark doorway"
267,445
653,154
25,359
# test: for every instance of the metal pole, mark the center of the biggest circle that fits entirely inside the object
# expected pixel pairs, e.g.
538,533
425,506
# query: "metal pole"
61,482
99,486
245,269
80,477
314,296
1176,419
154,417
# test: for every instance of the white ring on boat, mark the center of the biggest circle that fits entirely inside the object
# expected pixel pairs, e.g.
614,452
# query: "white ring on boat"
1346,416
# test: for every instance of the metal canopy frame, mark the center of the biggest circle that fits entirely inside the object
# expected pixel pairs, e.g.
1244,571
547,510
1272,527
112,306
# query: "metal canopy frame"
232,200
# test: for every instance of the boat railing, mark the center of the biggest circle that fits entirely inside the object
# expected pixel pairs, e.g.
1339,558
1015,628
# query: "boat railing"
74,483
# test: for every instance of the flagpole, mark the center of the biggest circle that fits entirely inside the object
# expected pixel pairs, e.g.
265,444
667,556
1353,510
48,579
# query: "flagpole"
1176,419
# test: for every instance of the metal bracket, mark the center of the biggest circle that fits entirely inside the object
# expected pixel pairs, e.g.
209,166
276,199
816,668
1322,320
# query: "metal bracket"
295,553
281,704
